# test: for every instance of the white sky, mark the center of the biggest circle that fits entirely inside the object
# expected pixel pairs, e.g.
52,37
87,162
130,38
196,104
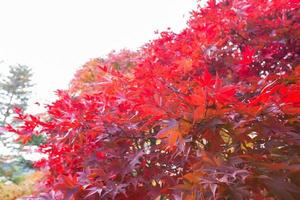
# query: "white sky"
55,37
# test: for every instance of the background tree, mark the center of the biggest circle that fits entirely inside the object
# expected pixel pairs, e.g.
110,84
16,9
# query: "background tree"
14,90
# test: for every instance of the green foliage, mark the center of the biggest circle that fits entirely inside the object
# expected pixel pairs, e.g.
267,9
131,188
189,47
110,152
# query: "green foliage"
25,186
14,171
14,90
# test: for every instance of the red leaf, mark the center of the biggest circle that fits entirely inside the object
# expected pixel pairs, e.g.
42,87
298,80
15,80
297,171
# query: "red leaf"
247,54
100,155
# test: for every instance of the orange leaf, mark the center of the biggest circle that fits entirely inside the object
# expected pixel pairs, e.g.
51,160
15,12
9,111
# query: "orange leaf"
184,126
196,99
193,177
199,113
174,131
173,138
297,70
186,65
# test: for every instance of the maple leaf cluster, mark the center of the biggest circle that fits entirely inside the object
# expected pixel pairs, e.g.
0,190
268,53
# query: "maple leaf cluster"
209,113
92,75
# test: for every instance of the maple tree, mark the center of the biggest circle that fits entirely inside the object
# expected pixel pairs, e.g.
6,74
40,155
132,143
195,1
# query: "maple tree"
88,79
209,113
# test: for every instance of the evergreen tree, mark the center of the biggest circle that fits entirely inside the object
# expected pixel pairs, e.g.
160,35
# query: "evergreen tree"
14,91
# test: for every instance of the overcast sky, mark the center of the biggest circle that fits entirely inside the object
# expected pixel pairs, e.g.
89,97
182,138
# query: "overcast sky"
56,37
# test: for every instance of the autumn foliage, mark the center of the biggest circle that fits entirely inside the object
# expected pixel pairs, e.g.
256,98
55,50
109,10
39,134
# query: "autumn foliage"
88,79
209,113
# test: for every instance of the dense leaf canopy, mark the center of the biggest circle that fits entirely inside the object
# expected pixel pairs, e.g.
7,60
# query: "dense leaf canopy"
209,113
